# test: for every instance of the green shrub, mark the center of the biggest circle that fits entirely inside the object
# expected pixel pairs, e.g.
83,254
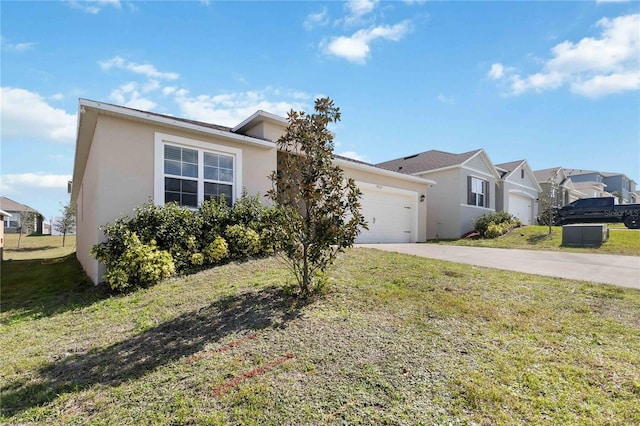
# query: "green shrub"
139,265
216,251
197,259
215,216
243,242
493,225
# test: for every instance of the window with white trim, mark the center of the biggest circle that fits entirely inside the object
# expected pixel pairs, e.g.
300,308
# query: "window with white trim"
194,173
477,192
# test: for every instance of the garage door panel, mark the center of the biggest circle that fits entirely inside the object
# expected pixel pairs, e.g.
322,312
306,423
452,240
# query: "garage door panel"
521,208
389,216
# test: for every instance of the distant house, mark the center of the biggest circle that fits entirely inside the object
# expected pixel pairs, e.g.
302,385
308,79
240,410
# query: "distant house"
3,214
465,188
14,222
567,192
125,157
518,191
616,184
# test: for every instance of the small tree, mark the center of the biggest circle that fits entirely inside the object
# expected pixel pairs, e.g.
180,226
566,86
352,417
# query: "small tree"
67,224
321,209
27,224
549,200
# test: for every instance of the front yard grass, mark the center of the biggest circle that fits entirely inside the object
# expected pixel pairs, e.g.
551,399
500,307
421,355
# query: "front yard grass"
621,241
394,339
37,246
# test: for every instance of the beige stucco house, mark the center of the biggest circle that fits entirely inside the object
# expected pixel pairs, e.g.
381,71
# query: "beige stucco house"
465,189
125,157
517,191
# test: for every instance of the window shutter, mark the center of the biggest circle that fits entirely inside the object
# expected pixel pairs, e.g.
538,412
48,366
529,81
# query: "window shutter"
469,193
487,202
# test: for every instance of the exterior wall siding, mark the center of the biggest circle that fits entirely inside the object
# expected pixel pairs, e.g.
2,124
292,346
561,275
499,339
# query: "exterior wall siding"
443,205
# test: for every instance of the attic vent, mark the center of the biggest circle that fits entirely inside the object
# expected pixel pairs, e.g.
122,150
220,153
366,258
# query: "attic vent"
411,156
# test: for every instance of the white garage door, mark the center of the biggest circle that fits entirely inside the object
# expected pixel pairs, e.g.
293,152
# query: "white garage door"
391,214
520,207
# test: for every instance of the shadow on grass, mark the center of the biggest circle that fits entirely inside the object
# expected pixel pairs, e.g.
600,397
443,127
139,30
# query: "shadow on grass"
45,287
185,335
28,249
538,238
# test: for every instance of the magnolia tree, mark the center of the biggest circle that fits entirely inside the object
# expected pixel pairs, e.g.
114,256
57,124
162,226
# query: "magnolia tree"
321,208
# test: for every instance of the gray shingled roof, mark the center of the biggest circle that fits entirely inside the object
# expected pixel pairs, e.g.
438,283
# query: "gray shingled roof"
545,174
509,167
425,161
9,205
578,172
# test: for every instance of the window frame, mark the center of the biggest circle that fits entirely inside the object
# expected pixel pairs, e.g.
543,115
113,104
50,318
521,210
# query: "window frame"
162,140
472,196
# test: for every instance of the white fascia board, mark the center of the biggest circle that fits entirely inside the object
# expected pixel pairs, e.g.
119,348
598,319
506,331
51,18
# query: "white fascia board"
261,115
383,172
114,109
487,162
3,213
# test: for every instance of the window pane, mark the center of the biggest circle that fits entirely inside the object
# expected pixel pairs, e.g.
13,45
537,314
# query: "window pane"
171,167
189,170
480,200
190,186
226,175
172,153
211,159
211,173
189,155
190,200
226,162
171,184
170,197
226,190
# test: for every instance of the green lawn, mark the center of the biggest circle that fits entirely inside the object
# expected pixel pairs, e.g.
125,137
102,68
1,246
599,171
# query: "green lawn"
37,246
394,339
621,241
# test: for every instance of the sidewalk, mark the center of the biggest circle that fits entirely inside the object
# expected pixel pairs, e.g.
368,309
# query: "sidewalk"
623,271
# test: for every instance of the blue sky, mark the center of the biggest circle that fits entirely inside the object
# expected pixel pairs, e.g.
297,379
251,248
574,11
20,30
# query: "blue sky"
556,83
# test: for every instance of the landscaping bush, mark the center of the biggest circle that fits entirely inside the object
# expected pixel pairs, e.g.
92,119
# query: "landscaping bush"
216,251
139,264
493,225
243,241
191,238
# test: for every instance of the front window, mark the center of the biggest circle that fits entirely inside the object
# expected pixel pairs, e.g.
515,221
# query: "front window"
189,175
478,192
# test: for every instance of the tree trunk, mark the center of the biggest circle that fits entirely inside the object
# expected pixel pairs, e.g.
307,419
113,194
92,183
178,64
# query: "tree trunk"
64,235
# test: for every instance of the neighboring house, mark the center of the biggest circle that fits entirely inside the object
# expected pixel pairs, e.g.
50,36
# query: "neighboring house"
616,183
567,191
3,214
13,222
517,191
126,157
466,183
592,189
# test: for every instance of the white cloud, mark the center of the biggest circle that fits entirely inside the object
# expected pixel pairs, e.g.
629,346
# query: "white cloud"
57,97
358,9
93,6
355,156
356,47
318,19
129,96
496,72
447,100
26,115
231,109
15,47
592,67
21,183
144,69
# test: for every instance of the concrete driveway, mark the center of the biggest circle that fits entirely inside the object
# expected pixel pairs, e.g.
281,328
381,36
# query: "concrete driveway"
623,271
